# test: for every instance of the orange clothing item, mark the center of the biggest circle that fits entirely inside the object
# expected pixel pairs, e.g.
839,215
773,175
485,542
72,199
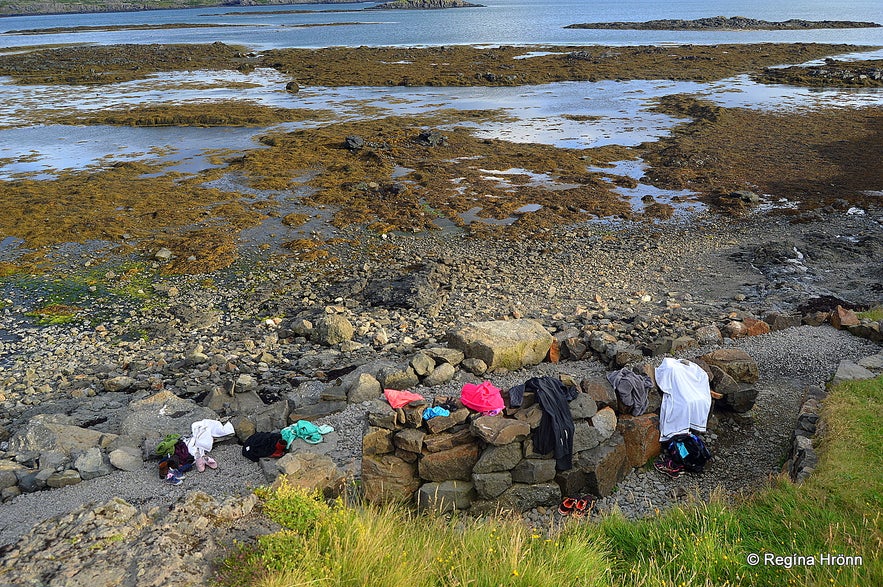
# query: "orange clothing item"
399,398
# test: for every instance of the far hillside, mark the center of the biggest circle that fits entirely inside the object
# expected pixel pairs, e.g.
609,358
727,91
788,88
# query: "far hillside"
26,7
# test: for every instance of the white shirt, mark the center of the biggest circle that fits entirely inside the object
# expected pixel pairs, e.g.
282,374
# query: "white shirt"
686,399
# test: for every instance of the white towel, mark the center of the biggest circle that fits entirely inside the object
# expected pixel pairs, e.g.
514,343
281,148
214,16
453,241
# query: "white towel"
204,434
686,399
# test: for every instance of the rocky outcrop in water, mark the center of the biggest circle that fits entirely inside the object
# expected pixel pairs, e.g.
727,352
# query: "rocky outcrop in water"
717,23
423,5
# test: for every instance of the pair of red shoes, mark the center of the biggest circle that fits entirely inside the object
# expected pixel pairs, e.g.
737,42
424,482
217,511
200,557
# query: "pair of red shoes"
576,506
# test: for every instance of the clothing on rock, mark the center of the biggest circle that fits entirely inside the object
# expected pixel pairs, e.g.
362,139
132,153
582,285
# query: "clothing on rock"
686,399
555,432
632,389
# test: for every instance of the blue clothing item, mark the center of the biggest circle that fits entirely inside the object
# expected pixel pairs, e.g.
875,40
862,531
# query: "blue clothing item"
434,412
682,450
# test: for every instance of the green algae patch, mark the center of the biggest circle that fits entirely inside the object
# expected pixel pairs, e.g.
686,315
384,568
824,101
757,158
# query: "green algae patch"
225,113
117,63
54,314
811,157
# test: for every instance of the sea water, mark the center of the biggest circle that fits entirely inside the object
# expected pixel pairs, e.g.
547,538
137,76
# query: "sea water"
619,111
521,22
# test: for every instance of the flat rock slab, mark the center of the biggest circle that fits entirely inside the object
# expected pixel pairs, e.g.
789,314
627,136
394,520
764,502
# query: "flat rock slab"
849,371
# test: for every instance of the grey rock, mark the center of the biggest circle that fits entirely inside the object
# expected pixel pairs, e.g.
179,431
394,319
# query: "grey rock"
126,459
422,364
534,471
583,406
474,366
396,377
498,458
92,463
604,423
491,485
849,371
711,334
440,375
272,417
333,329
63,479
364,388
161,414
120,383
874,362
445,496
445,355
586,437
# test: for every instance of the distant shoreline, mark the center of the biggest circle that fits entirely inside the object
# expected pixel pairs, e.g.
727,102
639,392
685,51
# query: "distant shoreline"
723,23
44,8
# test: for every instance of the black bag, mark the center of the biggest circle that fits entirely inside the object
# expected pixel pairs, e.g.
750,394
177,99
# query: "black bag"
688,450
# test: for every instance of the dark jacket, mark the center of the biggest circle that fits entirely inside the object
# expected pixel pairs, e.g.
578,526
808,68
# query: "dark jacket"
555,432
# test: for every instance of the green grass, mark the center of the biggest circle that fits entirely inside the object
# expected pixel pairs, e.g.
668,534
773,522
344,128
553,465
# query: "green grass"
875,313
836,511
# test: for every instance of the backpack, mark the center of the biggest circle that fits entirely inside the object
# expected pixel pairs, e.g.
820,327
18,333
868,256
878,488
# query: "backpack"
688,450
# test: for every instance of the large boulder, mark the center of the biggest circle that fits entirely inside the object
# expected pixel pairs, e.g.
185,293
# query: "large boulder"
503,344
734,362
161,414
311,471
44,433
333,329
605,466
389,479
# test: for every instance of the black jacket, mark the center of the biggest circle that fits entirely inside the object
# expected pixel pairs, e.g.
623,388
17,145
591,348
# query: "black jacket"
555,432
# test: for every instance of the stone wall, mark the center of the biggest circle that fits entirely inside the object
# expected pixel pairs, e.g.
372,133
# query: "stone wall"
482,463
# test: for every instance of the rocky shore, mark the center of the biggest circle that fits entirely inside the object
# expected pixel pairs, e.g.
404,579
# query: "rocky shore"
723,23
281,334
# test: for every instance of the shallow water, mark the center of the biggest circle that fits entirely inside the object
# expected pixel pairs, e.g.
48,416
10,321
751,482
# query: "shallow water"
617,112
509,22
